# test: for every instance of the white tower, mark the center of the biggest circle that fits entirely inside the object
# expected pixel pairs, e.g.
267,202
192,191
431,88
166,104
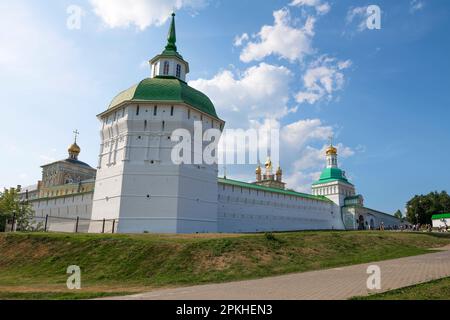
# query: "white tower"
138,182
333,183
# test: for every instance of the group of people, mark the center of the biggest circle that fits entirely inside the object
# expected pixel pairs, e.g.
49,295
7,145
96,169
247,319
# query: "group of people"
408,227
426,227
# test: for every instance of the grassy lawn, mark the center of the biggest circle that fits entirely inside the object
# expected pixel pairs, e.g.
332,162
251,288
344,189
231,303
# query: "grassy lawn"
34,266
434,290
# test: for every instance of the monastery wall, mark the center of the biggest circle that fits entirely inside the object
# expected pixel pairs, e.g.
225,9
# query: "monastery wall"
244,209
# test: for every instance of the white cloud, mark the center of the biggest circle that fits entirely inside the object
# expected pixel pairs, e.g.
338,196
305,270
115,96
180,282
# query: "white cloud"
239,40
358,15
141,13
261,91
322,78
281,39
297,134
300,181
416,5
320,6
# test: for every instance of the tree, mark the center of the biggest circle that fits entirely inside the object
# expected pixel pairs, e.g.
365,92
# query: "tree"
398,215
11,207
422,208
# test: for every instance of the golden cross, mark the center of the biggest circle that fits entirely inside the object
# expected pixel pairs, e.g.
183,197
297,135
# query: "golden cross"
76,135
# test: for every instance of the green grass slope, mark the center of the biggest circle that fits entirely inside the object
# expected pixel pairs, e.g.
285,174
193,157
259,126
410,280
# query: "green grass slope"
32,263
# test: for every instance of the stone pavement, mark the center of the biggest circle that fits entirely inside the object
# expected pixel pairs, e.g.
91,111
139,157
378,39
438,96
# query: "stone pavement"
334,284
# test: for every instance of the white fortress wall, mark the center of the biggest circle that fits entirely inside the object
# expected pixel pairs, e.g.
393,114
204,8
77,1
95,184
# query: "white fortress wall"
248,210
63,212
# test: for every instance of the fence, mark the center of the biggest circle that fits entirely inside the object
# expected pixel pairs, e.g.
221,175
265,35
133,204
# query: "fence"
69,225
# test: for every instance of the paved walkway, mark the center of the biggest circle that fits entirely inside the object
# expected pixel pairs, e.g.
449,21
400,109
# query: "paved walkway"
334,284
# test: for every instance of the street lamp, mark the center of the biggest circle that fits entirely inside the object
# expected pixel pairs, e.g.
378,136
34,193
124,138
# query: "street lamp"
13,220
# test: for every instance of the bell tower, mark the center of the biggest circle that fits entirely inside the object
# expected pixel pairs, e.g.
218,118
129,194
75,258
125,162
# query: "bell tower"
333,182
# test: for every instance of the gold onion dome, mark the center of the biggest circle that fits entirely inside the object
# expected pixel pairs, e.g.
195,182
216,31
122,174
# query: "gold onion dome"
331,151
258,170
268,164
279,171
74,149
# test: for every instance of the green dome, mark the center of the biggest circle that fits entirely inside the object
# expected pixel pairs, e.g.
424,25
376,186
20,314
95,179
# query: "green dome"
165,90
332,174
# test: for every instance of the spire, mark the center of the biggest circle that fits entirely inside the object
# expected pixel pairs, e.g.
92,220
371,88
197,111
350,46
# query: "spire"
170,63
172,36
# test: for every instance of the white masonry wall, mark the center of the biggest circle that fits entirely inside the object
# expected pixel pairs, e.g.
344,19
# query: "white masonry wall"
70,206
63,212
249,210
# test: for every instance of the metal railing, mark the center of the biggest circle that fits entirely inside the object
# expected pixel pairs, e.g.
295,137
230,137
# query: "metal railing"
69,225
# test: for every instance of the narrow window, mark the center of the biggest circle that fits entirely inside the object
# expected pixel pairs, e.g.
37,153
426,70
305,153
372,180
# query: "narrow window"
155,111
171,111
178,71
137,110
166,68
145,125
163,125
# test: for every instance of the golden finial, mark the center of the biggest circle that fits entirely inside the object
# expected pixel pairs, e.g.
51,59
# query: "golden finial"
74,150
279,171
331,150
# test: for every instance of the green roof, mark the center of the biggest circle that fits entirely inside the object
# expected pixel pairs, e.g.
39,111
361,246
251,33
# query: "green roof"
441,216
331,175
165,90
273,190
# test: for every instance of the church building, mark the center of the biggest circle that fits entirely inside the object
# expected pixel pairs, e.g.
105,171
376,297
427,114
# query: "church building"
138,186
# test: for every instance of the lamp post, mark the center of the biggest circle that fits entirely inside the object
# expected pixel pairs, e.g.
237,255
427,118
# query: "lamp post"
13,220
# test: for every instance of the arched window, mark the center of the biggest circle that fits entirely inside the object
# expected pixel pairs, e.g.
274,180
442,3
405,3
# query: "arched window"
178,71
166,68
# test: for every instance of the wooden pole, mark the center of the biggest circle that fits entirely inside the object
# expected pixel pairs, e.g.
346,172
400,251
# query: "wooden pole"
46,223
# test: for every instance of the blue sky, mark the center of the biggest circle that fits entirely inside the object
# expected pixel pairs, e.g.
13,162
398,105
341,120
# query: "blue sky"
305,66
